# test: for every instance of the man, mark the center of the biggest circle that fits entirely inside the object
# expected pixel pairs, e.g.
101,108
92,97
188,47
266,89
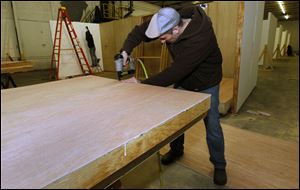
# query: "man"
197,66
91,45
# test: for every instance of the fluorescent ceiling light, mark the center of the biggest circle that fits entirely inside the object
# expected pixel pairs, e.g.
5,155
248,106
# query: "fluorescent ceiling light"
286,16
196,2
280,3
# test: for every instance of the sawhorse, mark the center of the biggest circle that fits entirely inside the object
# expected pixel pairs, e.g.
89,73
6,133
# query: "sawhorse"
5,79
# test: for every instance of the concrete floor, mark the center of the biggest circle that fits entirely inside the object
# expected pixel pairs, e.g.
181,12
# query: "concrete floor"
277,93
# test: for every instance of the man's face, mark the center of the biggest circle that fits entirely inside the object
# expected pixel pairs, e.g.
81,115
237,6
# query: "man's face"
170,36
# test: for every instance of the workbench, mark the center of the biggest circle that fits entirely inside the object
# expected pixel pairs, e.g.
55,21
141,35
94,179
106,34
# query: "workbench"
79,132
9,67
16,66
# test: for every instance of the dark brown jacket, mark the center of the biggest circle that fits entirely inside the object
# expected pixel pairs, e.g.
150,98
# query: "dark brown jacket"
197,60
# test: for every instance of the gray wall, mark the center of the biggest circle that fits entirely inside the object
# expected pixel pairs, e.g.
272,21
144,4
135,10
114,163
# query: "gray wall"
32,29
8,32
293,28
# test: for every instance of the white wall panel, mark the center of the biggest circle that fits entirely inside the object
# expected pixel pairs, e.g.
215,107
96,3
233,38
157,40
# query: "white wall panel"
277,39
283,41
69,64
267,38
253,19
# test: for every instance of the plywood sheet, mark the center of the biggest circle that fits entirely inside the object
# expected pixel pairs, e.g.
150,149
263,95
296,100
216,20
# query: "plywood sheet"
54,129
224,15
225,95
113,35
108,45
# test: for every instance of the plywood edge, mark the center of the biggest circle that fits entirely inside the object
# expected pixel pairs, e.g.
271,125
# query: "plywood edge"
236,74
104,167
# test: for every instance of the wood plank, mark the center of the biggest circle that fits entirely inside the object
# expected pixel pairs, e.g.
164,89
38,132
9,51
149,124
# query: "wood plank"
225,95
225,15
16,66
226,90
254,160
73,133
113,35
108,45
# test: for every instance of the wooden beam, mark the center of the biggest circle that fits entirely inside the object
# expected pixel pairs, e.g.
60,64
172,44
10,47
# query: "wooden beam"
16,66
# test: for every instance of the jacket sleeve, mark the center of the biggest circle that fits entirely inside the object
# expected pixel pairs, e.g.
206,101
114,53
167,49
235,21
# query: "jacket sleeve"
135,37
184,64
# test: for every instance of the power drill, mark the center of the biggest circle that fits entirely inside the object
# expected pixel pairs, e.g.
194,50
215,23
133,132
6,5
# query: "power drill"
119,65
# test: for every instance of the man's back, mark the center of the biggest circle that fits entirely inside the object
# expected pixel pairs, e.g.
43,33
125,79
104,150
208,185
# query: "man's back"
89,39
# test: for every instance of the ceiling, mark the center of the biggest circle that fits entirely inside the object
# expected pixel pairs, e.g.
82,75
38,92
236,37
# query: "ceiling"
292,7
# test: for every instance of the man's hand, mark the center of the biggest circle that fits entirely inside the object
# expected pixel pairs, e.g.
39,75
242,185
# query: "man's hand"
131,80
125,57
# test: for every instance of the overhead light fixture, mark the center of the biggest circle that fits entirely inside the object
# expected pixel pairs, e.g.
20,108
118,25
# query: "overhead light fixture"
203,6
280,3
286,16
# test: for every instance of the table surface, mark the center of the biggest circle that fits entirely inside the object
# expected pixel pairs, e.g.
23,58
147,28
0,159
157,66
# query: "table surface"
51,132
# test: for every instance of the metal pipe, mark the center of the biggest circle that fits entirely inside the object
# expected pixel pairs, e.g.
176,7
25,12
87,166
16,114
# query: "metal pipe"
130,9
17,31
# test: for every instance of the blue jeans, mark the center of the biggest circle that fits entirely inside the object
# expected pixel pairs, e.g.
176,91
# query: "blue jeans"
214,133
93,56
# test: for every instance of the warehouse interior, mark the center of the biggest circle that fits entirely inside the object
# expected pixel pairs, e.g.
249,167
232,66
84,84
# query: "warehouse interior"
259,92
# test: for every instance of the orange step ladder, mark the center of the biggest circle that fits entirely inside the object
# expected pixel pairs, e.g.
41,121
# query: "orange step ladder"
84,65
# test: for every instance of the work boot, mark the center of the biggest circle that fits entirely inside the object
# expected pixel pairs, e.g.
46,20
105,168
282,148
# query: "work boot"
170,157
220,176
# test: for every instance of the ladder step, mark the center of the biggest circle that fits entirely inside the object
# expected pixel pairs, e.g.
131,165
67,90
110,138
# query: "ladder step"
67,49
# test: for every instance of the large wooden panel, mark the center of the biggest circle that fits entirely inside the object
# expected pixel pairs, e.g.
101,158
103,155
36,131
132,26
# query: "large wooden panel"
224,17
113,35
225,95
74,133
108,45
